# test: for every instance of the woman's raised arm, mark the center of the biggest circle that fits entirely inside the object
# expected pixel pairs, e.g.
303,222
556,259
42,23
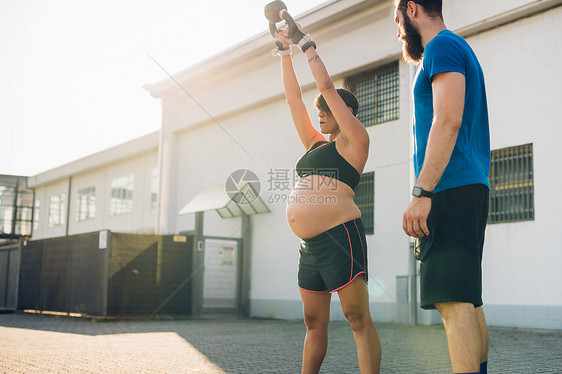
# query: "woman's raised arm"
352,130
307,133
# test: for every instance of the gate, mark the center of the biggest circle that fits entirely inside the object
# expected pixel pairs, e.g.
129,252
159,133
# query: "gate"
221,280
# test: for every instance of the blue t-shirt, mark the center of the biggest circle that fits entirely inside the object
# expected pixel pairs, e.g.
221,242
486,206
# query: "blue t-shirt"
470,161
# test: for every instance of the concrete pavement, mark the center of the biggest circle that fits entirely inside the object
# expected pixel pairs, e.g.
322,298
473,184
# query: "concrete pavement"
48,344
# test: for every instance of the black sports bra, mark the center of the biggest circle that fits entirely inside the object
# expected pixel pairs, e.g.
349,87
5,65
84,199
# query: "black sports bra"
326,161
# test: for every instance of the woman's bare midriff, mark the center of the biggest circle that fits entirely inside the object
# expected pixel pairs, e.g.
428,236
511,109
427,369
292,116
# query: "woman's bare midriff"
319,203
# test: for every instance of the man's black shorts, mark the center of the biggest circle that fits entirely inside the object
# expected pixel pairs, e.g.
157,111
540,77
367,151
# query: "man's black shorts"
333,259
451,255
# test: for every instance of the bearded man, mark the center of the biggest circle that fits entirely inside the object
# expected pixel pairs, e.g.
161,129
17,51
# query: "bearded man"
449,208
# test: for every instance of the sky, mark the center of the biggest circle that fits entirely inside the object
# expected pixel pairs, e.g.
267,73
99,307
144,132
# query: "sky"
72,71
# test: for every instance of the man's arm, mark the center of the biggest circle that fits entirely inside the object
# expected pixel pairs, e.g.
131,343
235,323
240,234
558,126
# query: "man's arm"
448,105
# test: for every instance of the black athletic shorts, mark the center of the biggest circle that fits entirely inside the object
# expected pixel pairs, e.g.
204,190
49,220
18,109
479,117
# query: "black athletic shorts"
451,255
333,259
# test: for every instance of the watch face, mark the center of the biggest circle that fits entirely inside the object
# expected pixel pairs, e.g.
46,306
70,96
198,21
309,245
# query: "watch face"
416,191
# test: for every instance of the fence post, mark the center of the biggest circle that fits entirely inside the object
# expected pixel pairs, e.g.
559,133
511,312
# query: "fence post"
246,263
198,266
106,247
21,242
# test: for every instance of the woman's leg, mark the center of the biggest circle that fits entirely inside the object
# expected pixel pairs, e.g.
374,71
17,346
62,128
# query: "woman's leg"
355,304
316,308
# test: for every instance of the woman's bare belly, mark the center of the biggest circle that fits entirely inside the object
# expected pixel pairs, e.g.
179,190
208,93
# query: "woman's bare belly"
316,206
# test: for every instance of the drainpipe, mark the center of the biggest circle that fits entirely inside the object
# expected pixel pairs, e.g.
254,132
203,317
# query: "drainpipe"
68,206
32,215
160,176
15,207
412,264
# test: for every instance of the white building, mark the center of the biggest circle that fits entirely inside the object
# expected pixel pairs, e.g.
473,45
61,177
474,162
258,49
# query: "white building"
114,189
229,113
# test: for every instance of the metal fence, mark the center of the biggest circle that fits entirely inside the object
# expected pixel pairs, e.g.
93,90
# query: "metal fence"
107,274
150,274
62,275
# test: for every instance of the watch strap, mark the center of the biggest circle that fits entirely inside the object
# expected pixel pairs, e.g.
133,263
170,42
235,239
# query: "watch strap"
420,192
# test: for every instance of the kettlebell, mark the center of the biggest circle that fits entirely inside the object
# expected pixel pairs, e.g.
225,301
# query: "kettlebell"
272,11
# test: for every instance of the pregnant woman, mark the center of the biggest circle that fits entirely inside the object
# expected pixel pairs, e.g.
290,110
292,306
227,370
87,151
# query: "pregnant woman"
321,210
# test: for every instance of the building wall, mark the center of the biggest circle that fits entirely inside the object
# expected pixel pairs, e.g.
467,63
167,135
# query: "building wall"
522,280
142,218
246,124
260,136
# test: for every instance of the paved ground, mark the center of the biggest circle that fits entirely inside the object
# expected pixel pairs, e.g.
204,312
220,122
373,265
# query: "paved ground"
47,344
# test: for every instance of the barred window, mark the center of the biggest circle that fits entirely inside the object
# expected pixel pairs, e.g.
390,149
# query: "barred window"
511,183
122,195
57,210
365,200
378,92
86,204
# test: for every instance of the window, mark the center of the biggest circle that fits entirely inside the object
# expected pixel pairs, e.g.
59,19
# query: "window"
36,213
378,92
57,210
365,200
122,195
7,197
23,214
86,204
511,183
154,188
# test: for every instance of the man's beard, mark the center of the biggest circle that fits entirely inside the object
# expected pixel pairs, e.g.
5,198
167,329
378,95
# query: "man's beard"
412,47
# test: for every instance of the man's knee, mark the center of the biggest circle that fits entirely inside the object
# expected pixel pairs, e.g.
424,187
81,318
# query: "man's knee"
452,310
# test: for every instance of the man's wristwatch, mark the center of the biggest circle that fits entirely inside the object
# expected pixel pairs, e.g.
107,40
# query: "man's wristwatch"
417,191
